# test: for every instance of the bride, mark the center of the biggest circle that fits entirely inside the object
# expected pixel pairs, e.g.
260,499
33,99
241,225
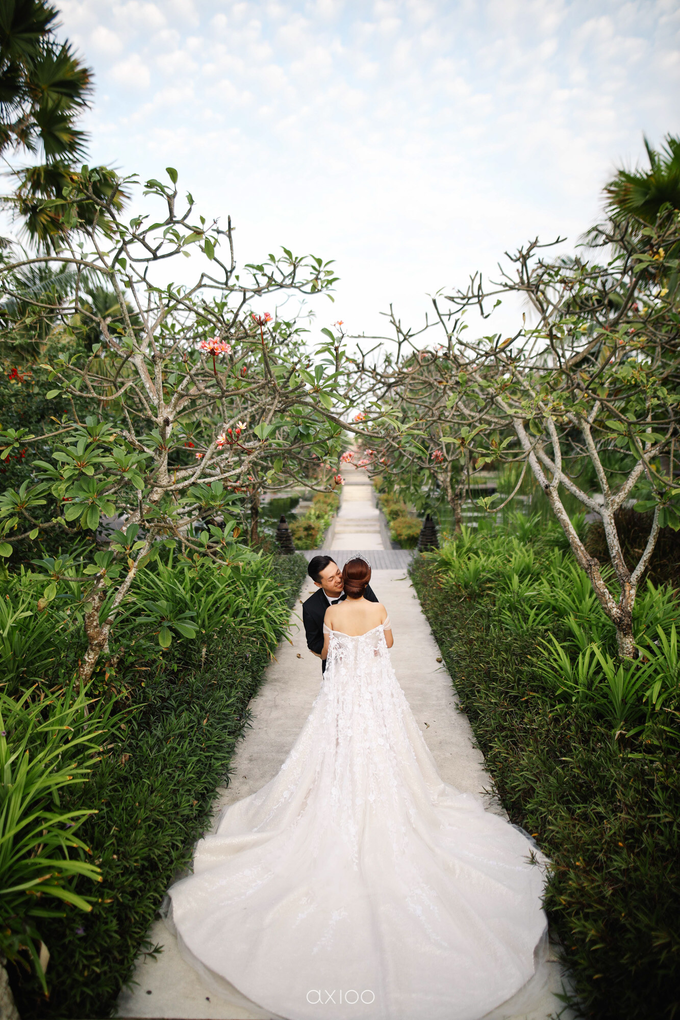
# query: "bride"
356,883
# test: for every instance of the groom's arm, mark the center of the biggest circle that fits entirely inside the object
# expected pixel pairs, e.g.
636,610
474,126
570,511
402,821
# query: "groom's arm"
313,631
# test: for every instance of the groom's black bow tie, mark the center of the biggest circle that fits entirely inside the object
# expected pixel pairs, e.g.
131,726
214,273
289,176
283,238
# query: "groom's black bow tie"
341,598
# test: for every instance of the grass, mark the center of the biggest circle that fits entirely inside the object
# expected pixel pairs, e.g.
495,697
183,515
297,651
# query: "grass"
187,708
602,802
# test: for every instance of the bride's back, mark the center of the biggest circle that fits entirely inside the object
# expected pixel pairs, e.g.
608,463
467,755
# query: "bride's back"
356,616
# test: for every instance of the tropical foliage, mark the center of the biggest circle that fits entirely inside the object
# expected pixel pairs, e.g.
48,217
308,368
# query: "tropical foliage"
583,748
646,194
196,403
586,398
119,776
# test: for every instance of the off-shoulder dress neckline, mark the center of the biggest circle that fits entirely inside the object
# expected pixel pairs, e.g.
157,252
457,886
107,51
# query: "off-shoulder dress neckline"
383,625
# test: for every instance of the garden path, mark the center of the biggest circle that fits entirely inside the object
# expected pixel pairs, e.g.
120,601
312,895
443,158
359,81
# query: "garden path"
167,986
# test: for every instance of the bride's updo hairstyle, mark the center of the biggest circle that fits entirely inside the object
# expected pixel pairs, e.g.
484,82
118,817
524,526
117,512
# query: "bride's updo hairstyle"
356,574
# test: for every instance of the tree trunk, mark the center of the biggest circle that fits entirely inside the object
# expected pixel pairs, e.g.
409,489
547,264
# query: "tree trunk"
254,518
621,613
98,633
453,499
97,637
457,512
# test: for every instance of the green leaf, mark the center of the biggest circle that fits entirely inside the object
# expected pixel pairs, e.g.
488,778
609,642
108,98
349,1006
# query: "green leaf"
5,549
186,630
328,334
643,505
73,510
209,248
34,534
91,518
51,394
262,430
50,591
165,637
172,173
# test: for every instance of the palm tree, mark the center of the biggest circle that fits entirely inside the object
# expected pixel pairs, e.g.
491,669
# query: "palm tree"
44,88
642,194
47,216
43,85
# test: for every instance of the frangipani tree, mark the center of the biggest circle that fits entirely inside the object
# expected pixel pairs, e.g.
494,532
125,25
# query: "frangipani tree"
421,446
196,400
593,381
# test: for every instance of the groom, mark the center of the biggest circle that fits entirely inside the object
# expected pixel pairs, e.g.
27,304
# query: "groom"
327,576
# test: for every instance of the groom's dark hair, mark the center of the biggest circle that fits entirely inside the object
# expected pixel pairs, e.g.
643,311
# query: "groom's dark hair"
316,565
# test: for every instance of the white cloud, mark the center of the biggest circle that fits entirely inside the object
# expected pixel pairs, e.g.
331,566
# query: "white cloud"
106,41
176,64
131,73
138,15
411,140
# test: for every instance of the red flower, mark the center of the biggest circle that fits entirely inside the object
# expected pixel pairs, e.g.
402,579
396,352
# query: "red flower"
261,320
215,346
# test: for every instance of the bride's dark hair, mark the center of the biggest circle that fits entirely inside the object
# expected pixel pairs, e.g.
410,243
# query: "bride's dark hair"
356,574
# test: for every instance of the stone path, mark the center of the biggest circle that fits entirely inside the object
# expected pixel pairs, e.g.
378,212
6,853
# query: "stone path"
167,986
358,524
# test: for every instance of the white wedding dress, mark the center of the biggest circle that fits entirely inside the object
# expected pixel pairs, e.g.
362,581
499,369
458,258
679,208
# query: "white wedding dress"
356,883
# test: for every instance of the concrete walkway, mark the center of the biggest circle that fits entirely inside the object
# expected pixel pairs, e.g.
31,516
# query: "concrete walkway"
167,986
357,524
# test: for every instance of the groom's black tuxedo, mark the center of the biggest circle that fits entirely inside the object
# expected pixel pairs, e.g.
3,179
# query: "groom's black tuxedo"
313,612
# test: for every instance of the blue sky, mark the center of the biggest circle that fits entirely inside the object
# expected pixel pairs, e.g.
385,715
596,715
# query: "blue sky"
413,141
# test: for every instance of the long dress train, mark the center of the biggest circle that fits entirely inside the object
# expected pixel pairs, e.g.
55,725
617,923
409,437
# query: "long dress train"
356,883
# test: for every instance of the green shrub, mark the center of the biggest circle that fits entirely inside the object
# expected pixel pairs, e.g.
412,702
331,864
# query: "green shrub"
305,533
48,745
274,508
308,530
325,502
405,531
208,597
404,525
187,708
392,506
29,640
582,757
